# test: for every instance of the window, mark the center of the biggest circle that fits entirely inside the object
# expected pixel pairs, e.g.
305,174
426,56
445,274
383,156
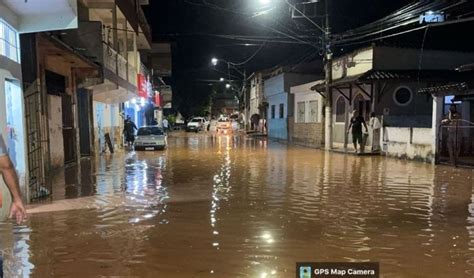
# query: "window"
144,131
282,110
403,96
8,42
300,109
273,111
313,111
340,110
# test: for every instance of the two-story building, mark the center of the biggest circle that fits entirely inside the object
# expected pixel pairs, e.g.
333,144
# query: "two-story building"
281,102
22,106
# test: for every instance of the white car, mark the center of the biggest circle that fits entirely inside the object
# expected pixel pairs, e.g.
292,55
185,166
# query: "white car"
196,124
150,138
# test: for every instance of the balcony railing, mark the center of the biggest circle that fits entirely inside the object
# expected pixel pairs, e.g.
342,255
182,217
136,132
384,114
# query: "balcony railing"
119,65
132,75
110,58
122,67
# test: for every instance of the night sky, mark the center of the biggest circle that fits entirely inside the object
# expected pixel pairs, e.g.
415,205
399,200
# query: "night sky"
194,27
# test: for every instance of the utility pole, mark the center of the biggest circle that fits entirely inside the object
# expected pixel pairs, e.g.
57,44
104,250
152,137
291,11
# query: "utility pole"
328,61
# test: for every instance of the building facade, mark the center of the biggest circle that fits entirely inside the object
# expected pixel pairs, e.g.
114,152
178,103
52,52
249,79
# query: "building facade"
308,125
384,80
281,102
19,93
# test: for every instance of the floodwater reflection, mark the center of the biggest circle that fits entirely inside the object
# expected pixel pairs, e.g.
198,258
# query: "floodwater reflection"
230,206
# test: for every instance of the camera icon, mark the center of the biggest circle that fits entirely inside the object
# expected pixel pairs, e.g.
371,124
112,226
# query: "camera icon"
305,272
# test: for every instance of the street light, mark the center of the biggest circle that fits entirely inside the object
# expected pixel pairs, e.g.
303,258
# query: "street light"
227,86
221,79
214,61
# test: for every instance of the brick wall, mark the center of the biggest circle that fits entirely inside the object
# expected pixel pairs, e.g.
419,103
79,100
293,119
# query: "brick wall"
308,134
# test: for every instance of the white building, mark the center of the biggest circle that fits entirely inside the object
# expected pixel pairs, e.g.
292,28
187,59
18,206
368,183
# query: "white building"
17,17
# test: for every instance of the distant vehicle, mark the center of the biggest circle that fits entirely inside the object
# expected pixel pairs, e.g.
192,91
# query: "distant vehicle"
150,138
224,126
196,124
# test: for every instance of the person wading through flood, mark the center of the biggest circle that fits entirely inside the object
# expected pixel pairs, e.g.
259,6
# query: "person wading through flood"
7,171
356,124
453,121
129,131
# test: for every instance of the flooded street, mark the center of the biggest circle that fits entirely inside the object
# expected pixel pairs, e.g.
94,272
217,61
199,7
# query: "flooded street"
242,207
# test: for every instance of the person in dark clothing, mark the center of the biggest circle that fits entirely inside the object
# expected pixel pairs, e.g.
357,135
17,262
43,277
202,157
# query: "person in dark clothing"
356,124
129,131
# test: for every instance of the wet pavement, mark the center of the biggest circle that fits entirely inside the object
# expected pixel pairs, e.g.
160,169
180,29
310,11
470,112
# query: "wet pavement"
239,207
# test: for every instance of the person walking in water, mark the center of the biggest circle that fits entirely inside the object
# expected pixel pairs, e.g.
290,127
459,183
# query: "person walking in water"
165,125
356,125
452,121
129,131
375,126
7,171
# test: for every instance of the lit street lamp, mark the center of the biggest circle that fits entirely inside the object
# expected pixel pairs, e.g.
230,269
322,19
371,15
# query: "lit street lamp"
227,86
214,61
221,79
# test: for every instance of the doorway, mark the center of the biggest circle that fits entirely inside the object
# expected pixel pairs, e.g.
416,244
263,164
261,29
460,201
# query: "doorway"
15,134
68,129
84,111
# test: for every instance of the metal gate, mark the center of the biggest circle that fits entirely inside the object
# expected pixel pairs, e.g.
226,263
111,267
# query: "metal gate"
37,144
455,144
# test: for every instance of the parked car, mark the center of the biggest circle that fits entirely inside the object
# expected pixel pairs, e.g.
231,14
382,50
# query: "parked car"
150,138
196,124
224,126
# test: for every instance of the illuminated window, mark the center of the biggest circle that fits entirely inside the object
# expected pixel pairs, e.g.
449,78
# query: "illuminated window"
8,42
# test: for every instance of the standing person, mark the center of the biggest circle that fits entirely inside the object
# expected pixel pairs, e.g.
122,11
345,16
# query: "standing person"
452,120
129,131
7,171
356,124
375,126
165,124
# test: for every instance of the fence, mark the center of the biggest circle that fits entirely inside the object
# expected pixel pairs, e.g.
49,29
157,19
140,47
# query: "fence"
455,144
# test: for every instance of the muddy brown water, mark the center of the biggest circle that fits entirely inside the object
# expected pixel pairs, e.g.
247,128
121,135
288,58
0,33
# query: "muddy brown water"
237,207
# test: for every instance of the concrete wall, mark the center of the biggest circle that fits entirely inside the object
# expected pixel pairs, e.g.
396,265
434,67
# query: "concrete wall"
56,131
417,113
107,120
12,71
408,143
308,133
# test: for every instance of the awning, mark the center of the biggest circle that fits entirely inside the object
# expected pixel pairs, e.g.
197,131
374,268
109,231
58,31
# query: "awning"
394,75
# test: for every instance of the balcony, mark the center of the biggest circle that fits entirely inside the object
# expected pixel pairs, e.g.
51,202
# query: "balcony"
118,70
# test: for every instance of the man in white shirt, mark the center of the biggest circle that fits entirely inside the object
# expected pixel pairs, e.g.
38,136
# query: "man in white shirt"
165,124
7,170
375,126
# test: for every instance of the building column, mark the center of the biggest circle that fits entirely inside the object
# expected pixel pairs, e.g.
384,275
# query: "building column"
436,120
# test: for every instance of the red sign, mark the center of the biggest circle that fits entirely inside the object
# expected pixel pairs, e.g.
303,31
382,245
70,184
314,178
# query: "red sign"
142,86
158,99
